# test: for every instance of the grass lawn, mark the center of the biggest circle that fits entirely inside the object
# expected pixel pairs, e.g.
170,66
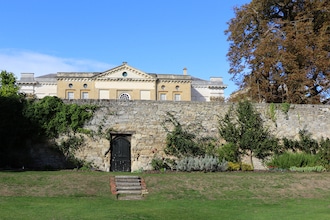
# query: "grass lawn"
229,195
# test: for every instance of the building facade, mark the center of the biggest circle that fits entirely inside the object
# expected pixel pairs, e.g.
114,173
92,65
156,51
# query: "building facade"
123,82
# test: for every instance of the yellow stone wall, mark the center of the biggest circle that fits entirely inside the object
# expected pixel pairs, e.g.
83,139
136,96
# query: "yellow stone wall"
78,87
115,88
170,88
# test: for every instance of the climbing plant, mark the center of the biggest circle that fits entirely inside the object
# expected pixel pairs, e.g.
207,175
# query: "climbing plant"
51,117
180,142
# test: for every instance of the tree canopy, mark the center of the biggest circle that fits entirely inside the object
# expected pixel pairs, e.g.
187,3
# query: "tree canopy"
280,50
8,85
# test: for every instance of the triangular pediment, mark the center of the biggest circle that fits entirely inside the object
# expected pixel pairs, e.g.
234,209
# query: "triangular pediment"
123,72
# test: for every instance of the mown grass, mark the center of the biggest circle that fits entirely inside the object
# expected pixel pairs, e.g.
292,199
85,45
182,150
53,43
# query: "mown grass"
230,195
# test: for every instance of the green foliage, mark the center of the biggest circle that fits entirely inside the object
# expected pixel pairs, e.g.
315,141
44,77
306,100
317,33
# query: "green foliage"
308,169
22,122
229,152
69,145
8,86
305,143
246,167
180,142
287,160
324,152
272,112
52,117
202,163
243,127
285,107
161,163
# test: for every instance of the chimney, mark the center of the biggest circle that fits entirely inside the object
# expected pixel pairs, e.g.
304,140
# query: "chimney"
185,71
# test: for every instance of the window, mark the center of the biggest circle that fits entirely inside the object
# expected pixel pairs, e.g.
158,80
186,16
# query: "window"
177,97
84,95
145,95
124,96
177,88
104,94
85,85
70,85
162,96
70,95
163,87
124,74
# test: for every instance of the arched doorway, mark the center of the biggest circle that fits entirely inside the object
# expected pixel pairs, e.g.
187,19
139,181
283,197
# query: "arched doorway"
120,154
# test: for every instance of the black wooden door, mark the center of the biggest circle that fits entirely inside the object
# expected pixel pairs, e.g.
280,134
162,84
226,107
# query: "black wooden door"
120,155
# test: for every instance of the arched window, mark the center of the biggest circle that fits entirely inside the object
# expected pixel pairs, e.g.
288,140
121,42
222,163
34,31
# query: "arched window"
124,96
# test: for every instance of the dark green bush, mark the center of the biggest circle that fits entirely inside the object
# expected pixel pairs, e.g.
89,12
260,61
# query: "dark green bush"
324,152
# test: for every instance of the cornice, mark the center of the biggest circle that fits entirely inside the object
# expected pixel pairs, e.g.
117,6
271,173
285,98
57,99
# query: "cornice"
75,79
26,83
47,83
124,80
209,86
173,81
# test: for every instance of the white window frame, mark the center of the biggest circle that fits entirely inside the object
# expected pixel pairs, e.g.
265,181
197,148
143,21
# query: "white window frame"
70,95
84,95
177,97
162,96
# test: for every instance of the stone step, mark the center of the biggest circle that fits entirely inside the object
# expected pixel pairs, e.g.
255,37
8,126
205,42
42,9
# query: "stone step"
139,192
127,177
128,184
128,188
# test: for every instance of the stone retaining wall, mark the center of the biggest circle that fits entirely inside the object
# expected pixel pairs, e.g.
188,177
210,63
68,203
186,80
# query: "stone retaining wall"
143,120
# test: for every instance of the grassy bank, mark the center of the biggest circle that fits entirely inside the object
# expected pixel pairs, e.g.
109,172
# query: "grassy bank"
86,195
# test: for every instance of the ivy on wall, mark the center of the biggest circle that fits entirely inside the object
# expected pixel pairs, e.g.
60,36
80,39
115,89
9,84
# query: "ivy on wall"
27,121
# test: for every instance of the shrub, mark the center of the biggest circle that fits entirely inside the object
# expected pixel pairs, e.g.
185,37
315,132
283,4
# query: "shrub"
233,166
160,164
228,152
308,169
324,152
246,167
206,163
287,160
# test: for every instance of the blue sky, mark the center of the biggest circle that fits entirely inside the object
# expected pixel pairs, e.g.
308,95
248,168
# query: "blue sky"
155,36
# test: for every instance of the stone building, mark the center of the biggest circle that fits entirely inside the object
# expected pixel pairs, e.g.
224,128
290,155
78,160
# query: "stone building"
123,82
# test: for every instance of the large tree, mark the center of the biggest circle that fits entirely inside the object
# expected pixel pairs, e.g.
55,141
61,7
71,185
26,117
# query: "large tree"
8,86
280,50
